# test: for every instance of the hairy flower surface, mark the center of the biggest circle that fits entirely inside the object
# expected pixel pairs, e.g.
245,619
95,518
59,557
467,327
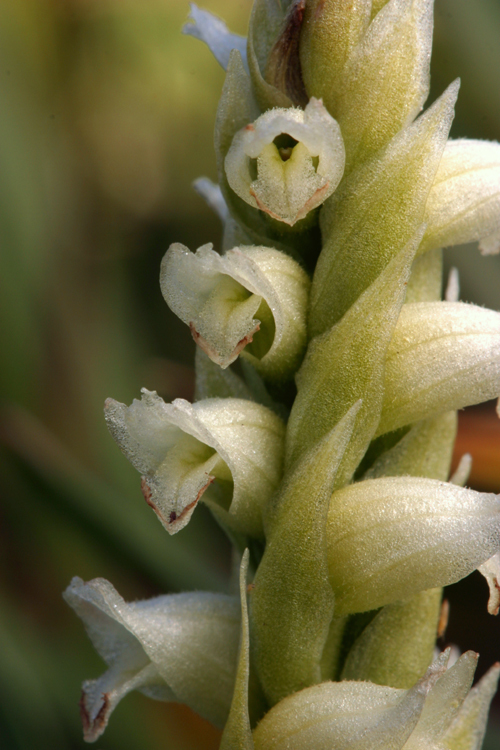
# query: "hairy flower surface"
287,162
251,300
172,648
182,448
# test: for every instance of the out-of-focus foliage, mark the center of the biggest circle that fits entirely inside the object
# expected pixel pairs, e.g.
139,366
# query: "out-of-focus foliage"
106,115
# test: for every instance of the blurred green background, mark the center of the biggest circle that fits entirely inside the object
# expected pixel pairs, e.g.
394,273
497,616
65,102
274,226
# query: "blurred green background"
106,117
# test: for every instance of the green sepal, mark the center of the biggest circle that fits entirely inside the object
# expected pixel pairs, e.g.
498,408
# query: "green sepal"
292,600
214,382
468,730
425,451
426,278
237,733
396,648
347,364
375,212
330,32
266,22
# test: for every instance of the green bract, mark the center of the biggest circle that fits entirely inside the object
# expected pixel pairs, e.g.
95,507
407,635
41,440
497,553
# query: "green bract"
324,450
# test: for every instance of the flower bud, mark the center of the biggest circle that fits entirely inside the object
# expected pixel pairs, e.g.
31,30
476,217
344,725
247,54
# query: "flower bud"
464,202
442,356
181,449
287,162
391,537
345,716
172,648
378,79
469,726
251,299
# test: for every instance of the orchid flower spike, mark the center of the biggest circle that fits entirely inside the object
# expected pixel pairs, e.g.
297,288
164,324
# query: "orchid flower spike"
288,161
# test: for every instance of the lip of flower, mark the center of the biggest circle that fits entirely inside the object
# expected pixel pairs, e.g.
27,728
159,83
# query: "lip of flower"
291,181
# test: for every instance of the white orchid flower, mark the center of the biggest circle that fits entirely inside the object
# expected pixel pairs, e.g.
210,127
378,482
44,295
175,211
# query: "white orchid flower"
392,537
464,202
251,299
182,448
442,356
288,161
345,716
172,648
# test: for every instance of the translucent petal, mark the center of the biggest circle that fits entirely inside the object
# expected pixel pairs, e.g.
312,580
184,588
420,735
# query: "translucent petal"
182,448
206,27
443,704
391,537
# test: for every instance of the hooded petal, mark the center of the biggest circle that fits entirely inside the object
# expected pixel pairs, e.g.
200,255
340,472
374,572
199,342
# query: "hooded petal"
442,356
251,299
345,716
206,27
287,181
182,448
464,203
391,537
172,648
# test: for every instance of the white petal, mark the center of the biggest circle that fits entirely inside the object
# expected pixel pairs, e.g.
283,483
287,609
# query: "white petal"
389,538
206,27
287,189
442,356
452,293
251,298
182,448
461,473
172,647
212,194
464,203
